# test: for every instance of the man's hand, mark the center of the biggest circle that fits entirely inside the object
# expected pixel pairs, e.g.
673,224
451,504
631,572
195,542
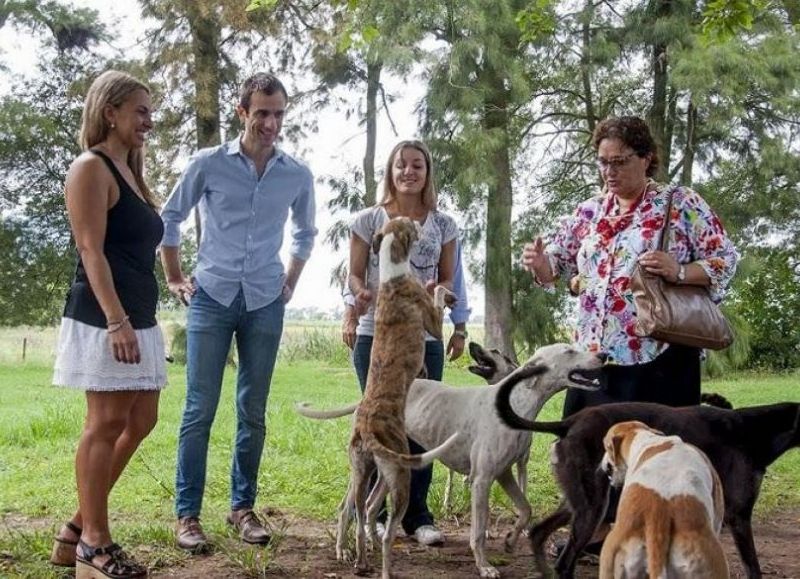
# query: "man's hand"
455,347
349,324
286,293
183,288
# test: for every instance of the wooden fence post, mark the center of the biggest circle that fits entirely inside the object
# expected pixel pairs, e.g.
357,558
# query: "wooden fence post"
24,347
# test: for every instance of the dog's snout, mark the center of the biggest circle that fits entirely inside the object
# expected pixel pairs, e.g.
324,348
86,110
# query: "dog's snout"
603,357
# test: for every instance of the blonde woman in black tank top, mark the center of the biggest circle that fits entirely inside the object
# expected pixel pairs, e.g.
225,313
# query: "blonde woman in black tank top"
110,345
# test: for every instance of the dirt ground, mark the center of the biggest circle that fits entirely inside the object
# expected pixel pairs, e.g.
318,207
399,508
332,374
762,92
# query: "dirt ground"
307,550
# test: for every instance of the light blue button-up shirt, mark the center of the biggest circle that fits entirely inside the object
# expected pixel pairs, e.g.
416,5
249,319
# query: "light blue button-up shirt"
243,220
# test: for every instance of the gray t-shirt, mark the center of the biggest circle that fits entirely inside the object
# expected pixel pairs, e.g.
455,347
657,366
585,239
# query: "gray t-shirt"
437,230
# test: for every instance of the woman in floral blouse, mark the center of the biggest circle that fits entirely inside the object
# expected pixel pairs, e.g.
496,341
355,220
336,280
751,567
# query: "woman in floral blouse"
599,245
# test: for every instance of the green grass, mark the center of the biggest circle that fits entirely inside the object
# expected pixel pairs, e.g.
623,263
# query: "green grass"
304,469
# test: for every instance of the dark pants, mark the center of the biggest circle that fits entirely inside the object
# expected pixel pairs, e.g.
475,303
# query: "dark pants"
417,513
672,379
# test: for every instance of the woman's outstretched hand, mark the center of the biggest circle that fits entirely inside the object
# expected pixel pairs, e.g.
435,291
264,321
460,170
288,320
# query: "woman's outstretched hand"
535,261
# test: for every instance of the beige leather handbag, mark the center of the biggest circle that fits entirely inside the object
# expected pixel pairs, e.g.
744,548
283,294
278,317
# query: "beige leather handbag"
677,314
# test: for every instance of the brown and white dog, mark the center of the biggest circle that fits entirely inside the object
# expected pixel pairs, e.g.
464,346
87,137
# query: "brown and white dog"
670,512
403,312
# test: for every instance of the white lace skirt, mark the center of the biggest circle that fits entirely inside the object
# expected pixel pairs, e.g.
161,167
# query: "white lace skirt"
84,360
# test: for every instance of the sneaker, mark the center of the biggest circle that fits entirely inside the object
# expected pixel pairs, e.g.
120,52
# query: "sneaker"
380,530
428,535
190,534
250,529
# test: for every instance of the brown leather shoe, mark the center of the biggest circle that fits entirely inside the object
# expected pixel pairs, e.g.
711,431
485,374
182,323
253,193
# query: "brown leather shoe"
250,529
190,534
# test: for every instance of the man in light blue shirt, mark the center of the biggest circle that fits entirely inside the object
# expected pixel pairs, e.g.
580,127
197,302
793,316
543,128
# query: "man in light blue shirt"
246,190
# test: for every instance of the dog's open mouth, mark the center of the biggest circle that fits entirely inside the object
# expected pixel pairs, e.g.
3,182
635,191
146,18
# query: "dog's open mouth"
481,370
586,379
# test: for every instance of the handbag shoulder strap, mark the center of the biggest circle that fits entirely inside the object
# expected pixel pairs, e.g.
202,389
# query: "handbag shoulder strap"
663,244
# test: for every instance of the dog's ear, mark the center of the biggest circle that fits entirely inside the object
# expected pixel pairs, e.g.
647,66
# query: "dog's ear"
615,449
377,239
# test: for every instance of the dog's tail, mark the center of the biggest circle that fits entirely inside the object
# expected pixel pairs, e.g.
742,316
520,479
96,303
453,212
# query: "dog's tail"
512,419
304,409
408,460
716,400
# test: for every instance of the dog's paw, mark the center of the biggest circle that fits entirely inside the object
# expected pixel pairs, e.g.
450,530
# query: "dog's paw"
443,297
490,572
510,542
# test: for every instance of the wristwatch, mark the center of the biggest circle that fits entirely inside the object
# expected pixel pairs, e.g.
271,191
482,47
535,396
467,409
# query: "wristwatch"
462,333
681,273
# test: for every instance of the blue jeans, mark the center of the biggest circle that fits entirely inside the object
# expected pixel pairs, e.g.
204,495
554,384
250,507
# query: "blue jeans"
417,514
210,326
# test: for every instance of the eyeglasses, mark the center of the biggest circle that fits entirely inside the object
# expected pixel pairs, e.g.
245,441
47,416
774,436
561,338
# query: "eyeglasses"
615,163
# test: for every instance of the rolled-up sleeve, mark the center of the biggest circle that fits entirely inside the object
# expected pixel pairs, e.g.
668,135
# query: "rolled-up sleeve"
186,194
460,312
347,296
303,221
711,248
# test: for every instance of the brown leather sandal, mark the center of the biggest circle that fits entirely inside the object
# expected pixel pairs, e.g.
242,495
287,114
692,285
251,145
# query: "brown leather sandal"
118,566
63,553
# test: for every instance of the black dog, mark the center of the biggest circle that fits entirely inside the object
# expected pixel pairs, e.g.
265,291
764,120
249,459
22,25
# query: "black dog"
740,443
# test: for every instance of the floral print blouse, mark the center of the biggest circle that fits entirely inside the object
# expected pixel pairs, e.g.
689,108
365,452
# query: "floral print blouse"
601,245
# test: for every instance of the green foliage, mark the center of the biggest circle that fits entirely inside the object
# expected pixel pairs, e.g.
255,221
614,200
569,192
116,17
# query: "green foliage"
768,299
261,5
39,123
723,19
737,355
34,275
536,21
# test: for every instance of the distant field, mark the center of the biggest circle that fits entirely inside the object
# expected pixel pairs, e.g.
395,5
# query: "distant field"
38,344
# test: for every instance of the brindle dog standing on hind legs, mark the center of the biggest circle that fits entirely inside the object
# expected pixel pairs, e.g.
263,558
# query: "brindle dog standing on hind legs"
404,311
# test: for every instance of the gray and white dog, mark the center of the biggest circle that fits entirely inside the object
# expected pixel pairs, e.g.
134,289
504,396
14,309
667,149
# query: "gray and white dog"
486,448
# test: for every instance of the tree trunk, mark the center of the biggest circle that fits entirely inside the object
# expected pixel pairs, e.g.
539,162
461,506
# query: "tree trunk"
499,321
373,84
657,115
586,66
688,150
669,128
205,31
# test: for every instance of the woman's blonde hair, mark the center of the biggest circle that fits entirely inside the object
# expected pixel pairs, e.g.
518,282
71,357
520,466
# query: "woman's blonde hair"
113,88
428,191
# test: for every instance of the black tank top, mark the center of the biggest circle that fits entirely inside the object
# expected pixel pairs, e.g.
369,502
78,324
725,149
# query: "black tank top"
133,232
